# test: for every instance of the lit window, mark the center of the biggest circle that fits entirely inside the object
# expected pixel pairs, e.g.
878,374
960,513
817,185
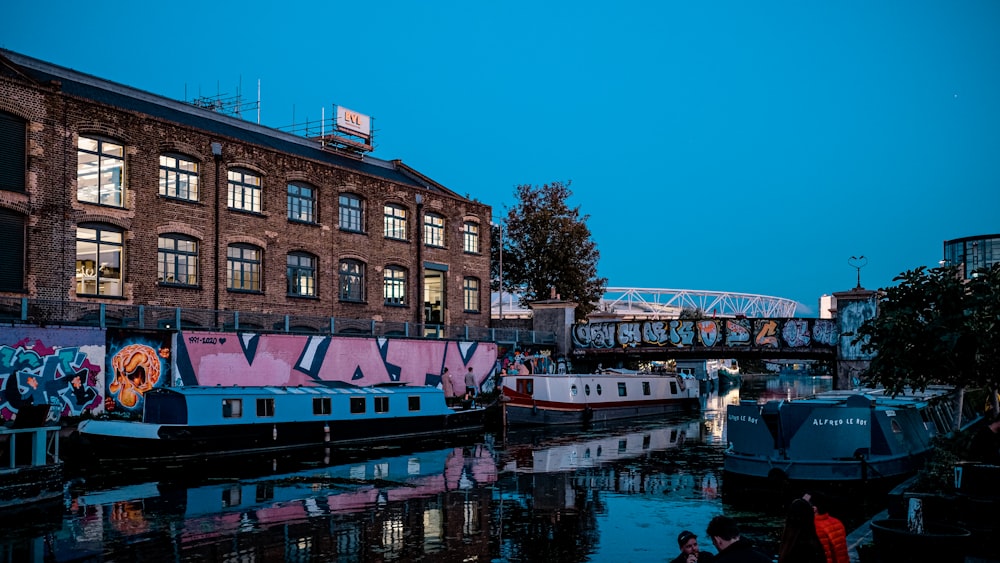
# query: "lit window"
394,287
301,274
178,177
352,280
100,172
301,203
99,260
395,222
244,191
352,213
243,265
177,260
470,295
470,237
433,229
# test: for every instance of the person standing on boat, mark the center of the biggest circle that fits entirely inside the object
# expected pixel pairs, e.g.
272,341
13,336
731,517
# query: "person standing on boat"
725,534
831,531
690,552
470,387
985,446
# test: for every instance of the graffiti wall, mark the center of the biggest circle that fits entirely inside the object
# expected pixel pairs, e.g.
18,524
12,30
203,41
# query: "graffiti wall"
60,367
206,358
750,334
137,362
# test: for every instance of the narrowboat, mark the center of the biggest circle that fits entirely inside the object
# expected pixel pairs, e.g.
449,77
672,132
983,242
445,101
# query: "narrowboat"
192,421
563,398
839,436
31,471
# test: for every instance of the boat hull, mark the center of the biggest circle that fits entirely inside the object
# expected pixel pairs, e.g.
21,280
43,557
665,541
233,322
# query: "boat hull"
535,415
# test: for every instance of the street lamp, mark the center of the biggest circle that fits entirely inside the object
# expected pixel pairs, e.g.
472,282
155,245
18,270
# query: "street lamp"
499,226
858,262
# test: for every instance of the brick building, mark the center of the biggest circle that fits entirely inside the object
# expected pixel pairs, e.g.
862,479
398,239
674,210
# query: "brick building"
114,195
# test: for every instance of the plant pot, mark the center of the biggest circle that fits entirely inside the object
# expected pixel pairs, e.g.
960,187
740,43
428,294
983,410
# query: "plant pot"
940,543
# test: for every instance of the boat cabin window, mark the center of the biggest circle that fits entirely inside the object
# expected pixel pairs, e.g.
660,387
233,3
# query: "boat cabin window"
265,407
645,388
896,428
232,497
321,405
357,405
526,386
232,408
381,404
598,388
622,392
414,403
573,390
586,389
673,388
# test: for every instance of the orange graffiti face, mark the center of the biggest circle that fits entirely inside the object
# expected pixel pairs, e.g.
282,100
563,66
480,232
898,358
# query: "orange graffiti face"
137,370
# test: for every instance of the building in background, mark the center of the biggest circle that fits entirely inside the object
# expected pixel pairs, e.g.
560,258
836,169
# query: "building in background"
972,253
113,195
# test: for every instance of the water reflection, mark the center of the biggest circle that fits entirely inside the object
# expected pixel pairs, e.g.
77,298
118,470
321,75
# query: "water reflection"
611,493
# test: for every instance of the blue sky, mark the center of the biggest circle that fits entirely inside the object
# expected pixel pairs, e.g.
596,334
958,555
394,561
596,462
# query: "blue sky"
717,145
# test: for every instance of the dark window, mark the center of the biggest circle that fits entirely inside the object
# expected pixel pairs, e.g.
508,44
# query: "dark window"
352,281
12,251
622,391
265,407
526,386
645,388
321,405
414,403
357,405
352,213
598,388
232,408
301,203
13,161
243,266
381,404
301,274
177,260
673,387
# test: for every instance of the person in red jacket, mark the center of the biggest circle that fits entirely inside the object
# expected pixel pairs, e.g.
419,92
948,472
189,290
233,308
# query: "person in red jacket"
830,530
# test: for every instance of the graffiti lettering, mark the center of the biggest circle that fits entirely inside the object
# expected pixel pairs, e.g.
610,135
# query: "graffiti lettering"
681,333
796,333
31,372
655,332
767,333
708,332
825,332
737,332
629,335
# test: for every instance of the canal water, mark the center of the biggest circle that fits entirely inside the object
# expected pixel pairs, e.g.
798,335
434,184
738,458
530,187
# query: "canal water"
612,493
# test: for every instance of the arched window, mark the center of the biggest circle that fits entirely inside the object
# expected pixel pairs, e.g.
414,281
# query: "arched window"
301,274
99,250
100,171
395,221
243,267
433,229
245,191
352,280
470,237
177,260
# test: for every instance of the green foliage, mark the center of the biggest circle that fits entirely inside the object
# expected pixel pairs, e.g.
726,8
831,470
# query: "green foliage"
546,245
935,328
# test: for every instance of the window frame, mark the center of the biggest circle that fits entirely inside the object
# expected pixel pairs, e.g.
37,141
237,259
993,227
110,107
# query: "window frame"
434,230
255,267
394,283
471,294
471,242
265,407
292,272
99,266
177,172
351,286
300,200
240,182
106,163
189,258
351,213
381,404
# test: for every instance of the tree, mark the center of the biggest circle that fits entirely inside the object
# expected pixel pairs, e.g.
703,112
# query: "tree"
546,246
935,328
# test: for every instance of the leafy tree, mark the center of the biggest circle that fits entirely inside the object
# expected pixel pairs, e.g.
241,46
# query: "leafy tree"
935,328
547,245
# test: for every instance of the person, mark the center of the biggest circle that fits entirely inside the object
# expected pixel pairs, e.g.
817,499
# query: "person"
470,387
799,542
725,534
831,532
985,446
690,552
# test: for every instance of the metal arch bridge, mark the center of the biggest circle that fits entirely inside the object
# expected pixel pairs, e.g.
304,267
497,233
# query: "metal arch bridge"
667,303
648,302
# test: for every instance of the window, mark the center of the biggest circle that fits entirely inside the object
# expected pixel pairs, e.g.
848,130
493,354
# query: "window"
586,389
99,260
322,405
352,281
265,407
177,260
357,405
645,388
243,263
301,203
232,408
301,274
394,285
178,177
13,154
414,403
100,172
433,229
470,295
673,387
244,191
381,404
622,391
352,213
598,388
525,386
395,222
470,237
13,250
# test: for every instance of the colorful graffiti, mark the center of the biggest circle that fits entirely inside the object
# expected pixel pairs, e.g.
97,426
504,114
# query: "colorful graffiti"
59,368
137,362
205,358
751,334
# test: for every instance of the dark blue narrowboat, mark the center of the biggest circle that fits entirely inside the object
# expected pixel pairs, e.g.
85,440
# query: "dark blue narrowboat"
194,421
839,436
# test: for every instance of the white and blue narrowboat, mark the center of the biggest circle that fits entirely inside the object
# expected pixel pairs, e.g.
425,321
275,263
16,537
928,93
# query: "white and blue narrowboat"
839,436
564,398
193,421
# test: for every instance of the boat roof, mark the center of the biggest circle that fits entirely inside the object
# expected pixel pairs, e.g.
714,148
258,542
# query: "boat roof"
338,389
880,396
